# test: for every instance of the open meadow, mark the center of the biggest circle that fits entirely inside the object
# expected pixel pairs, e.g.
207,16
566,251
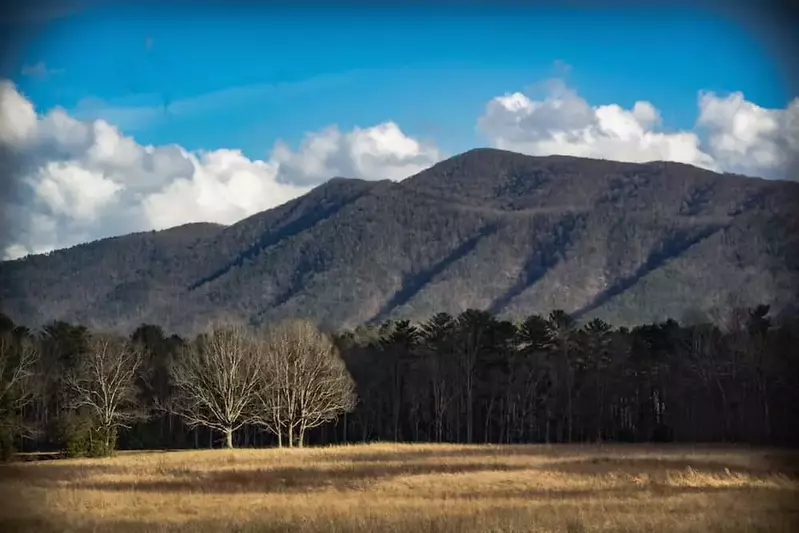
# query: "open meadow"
396,487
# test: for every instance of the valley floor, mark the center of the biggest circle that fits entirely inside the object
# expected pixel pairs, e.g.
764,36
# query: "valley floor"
414,488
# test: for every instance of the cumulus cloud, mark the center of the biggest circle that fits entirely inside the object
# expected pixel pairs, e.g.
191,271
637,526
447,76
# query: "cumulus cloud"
80,180
748,139
379,152
731,134
18,114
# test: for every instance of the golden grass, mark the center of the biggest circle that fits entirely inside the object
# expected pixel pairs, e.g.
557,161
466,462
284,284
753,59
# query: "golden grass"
397,487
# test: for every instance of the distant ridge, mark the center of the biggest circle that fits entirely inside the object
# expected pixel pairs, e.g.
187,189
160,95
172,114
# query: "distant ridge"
486,229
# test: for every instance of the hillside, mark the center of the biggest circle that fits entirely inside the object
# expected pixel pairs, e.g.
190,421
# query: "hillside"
486,229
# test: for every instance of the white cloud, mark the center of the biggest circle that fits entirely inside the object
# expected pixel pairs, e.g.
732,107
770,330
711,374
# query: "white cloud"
80,180
18,116
749,139
739,135
225,186
379,152
564,123
70,190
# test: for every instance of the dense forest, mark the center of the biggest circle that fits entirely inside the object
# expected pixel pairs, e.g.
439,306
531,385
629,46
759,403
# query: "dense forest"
471,378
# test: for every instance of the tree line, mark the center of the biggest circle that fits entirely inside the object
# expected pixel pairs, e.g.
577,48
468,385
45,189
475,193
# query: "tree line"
471,378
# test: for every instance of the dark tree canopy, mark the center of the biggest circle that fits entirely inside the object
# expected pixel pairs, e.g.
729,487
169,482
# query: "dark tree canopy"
467,378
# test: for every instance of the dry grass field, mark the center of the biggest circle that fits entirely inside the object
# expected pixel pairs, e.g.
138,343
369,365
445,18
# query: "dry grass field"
415,488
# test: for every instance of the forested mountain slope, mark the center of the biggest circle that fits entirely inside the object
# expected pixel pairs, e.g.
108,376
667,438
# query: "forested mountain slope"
487,229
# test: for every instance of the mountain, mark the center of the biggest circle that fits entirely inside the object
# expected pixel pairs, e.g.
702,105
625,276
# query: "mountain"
486,229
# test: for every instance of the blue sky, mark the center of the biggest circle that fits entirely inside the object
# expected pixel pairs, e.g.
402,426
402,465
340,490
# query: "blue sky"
269,73
127,118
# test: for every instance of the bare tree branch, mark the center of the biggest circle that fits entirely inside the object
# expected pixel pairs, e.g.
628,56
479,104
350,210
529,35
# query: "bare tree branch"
216,380
304,382
104,382
18,358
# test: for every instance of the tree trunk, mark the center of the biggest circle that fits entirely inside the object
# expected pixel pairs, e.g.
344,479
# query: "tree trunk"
570,417
725,417
766,419
547,437
229,438
469,414
487,429
396,401
601,405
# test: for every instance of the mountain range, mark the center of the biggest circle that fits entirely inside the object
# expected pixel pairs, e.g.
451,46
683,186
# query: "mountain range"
486,229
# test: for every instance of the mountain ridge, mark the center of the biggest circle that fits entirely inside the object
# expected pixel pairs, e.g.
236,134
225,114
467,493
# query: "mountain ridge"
486,229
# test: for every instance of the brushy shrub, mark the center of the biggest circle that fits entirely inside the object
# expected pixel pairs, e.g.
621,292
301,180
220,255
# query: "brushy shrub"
82,437
75,433
102,444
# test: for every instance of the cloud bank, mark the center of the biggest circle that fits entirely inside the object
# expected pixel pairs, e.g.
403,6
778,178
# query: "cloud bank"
81,180
730,134
70,180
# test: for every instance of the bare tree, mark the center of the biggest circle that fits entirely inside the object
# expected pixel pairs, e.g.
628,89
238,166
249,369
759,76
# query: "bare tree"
104,382
216,379
304,381
17,360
